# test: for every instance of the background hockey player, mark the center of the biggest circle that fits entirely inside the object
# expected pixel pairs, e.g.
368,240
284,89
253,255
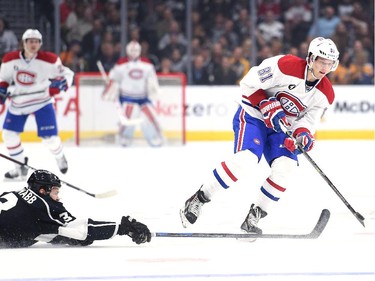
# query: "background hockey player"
283,91
37,76
35,214
136,79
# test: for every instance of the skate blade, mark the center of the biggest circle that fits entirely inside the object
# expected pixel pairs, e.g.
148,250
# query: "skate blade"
184,221
247,240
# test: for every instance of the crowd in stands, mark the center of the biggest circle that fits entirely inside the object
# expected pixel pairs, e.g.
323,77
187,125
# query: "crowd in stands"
221,44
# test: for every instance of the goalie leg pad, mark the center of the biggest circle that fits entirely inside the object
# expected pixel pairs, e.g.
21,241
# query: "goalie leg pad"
150,127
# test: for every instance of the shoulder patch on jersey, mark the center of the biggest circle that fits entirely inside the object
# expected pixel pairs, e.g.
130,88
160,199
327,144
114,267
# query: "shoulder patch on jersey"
11,56
292,65
326,88
47,56
122,60
144,59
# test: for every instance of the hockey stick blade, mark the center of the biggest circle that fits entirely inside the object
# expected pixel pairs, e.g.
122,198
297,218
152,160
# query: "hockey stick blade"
315,233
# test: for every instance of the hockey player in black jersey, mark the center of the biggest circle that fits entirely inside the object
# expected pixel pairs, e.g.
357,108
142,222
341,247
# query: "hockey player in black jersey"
35,214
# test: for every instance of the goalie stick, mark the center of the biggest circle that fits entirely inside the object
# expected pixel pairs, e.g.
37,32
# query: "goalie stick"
357,215
95,195
315,233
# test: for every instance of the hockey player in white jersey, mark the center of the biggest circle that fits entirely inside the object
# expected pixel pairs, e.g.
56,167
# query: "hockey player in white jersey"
37,77
134,82
283,91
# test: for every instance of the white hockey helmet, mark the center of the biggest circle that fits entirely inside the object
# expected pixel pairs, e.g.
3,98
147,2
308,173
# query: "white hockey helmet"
133,50
32,34
324,48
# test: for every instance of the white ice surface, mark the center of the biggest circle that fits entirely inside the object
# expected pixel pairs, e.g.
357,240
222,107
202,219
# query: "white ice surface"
153,185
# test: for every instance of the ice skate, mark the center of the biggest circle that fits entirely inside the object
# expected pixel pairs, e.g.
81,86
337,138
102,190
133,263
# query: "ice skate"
63,164
17,174
192,209
251,221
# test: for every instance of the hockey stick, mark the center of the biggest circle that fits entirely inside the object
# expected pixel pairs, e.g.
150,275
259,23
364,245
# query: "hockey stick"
315,233
97,195
358,216
26,94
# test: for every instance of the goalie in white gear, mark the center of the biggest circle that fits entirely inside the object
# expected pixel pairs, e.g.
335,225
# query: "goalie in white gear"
283,91
37,76
133,82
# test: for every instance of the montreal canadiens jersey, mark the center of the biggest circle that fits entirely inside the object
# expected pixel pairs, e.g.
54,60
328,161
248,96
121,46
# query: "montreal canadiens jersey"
31,77
136,78
284,77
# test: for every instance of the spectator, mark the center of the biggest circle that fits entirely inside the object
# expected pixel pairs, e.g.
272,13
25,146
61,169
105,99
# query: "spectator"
239,64
73,58
361,71
165,66
269,5
91,41
243,25
81,25
108,56
325,25
199,72
224,74
341,75
297,22
8,39
145,53
270,28
173,36
178,61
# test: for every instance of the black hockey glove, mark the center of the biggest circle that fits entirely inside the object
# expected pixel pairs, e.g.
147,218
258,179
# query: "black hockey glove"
136,230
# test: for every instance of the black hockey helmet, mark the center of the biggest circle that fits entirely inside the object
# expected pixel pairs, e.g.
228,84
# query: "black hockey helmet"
42,179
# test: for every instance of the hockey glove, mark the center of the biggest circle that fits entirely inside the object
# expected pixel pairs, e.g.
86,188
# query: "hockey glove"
57,85
273,114
303,138
3,94
136,230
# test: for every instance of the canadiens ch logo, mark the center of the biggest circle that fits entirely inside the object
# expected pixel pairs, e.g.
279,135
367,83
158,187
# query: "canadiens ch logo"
291,104
291,86
25,78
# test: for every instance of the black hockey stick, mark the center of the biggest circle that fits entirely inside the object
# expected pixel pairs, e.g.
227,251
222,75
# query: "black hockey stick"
358,216
315,233
96,195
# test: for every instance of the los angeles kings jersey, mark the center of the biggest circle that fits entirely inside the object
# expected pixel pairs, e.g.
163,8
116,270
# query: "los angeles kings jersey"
25,215
31,77
284,77
27,218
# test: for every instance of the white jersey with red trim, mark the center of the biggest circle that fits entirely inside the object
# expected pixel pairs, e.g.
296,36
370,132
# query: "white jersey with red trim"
284,77
136,78
31,79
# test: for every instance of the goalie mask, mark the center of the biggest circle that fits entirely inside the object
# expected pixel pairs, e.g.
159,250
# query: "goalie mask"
42,179
324,48
133,50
